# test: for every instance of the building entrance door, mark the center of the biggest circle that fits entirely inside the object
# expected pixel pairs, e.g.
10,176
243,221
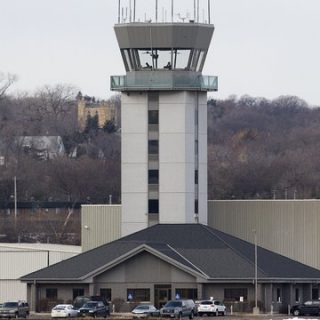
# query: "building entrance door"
162,294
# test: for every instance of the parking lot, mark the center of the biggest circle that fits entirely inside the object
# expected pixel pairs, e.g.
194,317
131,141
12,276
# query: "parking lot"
128,316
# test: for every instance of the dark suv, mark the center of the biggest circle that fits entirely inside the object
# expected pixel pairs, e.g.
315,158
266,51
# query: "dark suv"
93,309
178,309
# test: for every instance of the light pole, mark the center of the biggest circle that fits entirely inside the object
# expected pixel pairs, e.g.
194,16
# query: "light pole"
15,200
255,309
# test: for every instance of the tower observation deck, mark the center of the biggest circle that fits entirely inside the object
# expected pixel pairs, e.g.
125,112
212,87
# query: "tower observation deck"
164,120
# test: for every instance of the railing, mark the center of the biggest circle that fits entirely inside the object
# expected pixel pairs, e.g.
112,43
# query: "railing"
162,81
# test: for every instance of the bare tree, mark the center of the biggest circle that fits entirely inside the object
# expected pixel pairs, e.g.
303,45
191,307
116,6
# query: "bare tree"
6,80
53,109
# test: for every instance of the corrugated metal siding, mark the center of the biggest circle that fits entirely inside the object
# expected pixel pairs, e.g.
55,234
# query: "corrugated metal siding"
288,227
17,260
100,224
16,264
12,290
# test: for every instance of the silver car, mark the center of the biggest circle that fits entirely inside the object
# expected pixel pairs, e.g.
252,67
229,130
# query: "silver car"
145,309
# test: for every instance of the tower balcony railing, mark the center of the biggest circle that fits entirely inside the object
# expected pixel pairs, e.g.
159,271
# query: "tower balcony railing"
163,81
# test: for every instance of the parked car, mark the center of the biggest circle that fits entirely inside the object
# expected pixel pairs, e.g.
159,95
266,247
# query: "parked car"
64,311
178,309
79,302
145,309
211,307
93,309
14,309
306,308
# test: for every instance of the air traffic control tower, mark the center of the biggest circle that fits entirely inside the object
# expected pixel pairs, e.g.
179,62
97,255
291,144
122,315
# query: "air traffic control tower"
164,119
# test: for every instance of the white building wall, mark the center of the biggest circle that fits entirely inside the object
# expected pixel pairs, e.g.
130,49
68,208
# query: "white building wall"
12,290
176,157
17,260
134,162
203,159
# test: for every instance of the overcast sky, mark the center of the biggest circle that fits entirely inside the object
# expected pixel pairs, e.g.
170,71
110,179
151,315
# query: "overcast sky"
263,48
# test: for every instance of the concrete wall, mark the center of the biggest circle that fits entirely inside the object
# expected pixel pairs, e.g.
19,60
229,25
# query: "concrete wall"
100,224
177,157
134,162
203,158
182,126
287,227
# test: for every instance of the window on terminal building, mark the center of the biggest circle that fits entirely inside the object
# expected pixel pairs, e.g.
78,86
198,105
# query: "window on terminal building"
234,294
52,293
138,295
187,293
315,293
77,292
297,295
106,293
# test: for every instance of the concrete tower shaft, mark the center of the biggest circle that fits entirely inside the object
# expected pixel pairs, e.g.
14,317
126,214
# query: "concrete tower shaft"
164,122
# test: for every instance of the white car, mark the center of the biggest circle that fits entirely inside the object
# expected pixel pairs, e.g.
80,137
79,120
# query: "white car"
211,307
64,311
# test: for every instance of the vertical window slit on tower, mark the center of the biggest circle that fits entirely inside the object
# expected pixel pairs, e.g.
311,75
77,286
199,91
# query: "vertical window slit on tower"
153,154
196,156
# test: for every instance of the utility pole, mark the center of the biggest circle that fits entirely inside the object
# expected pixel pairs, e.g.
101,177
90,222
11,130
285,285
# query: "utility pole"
15,201
255,309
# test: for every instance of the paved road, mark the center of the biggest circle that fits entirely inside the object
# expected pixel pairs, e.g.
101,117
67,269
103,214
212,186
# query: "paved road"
40,316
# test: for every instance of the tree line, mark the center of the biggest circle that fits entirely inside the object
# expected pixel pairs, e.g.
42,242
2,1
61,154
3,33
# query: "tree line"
257,148
90,169
263,149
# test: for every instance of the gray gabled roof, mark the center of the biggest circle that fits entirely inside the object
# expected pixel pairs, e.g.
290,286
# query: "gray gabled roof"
193,247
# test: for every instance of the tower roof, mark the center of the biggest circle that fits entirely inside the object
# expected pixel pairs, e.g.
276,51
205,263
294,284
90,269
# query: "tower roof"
164,35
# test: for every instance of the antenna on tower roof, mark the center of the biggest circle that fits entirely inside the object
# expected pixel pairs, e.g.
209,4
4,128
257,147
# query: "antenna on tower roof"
134,10
119,5
197,11
209,13
171,10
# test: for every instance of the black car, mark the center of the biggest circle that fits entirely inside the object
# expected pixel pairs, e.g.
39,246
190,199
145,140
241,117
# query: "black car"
93,309
307,308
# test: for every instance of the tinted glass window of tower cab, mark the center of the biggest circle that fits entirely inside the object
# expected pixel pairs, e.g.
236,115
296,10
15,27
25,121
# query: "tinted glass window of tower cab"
163,59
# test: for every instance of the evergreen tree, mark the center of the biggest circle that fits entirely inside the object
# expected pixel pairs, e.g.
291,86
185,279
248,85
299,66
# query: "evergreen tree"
109,126
92,124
